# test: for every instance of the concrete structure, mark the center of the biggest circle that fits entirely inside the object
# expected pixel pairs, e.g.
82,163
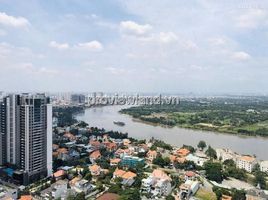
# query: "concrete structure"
157,184
226,154
264,166
26,134
246,162
188,189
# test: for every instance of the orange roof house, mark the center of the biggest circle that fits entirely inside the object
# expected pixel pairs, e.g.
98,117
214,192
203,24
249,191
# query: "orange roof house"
115,161
119,172
62,150
110,146
94,156
95,143
95,170
157,173
129,175
59,174
183,152
151,155
70,136
128,178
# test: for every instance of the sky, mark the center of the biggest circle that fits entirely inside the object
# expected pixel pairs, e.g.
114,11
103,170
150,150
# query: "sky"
193,46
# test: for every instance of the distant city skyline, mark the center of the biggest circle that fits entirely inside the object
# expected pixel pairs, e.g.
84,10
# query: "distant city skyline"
200,47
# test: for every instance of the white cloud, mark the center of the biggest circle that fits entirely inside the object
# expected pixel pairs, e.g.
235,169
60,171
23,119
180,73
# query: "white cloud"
252,18
133,28
217,41
17,22
241,56
59,46
2,32
91,46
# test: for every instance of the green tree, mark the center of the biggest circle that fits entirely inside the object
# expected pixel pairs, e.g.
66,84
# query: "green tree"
210,152
260,179
170,197
214,171
201,145
80,196
238,195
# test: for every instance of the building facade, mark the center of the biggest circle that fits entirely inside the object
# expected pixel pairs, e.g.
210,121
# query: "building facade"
26,134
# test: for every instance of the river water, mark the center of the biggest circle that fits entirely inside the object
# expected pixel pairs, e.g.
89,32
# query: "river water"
103,117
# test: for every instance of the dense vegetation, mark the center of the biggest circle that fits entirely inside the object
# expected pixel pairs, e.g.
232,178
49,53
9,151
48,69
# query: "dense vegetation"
65,115
244,115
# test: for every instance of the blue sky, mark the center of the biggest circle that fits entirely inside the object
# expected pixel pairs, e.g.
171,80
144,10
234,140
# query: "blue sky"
203,46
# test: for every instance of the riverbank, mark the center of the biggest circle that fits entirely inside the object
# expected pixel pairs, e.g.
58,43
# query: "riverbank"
199,128
218,117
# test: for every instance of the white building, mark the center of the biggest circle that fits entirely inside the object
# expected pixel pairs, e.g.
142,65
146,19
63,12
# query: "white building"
188,189
157,184
246,162
264,166
226,154
59,189
196,159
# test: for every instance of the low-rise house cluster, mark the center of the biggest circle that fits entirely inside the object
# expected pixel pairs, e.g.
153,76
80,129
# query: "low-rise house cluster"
128,177
157,184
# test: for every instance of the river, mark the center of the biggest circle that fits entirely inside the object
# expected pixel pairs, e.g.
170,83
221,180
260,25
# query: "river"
103,117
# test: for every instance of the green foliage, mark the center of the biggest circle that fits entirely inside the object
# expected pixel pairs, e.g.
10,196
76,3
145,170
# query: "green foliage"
161,144
65,115
202,144
245,116
170,197
159,160
260,179
214,171
210,152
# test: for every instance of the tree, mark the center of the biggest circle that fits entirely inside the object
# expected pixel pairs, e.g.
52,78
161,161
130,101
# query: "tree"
210,152
159,160
201,145
238,195
214,171
259,179
170,197
80,196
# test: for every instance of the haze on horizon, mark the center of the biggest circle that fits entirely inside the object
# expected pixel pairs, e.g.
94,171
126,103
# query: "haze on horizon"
201,46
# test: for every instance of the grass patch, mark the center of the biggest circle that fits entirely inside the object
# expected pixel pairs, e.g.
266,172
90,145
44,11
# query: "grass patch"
205,195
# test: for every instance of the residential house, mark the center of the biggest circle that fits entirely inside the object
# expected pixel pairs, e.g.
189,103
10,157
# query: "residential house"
95,170
197,160
83,186
94,156
157,184
151,155
226,154
190,175
128,177
95,144
188,189
60,174
115,161
182,152
246,162
264,166
69,136
110,146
